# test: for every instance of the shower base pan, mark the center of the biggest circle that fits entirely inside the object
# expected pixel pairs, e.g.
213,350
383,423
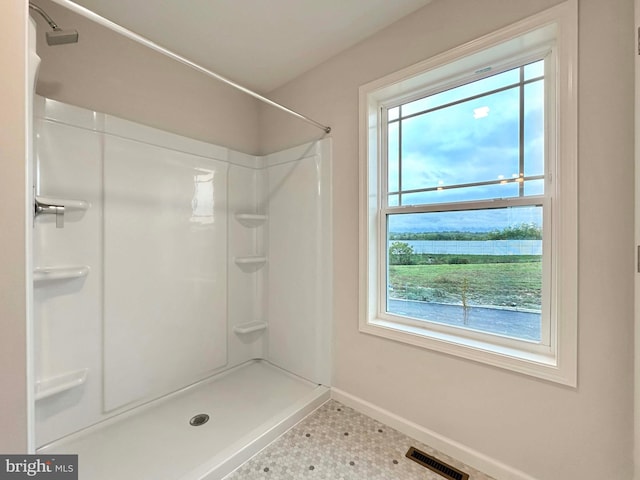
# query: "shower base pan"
248,407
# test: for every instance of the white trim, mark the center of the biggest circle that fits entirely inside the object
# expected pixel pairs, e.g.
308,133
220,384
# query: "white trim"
33,65
446,445
557,25
636,397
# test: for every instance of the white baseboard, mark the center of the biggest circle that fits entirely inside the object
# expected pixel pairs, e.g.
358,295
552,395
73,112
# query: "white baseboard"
446,445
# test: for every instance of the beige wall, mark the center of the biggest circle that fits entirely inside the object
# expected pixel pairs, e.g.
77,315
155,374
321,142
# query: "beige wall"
13,381
546,430
109,73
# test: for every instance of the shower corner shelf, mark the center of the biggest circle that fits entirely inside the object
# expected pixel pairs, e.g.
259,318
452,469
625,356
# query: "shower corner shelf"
43,275
52,386
250,260
251,219
250,327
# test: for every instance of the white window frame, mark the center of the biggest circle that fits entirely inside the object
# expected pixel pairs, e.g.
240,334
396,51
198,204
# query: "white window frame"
551,34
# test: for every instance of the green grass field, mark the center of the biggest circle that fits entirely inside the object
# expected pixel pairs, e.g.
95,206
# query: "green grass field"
515,284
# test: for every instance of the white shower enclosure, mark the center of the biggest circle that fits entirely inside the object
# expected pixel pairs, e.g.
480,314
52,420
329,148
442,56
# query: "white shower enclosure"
173,278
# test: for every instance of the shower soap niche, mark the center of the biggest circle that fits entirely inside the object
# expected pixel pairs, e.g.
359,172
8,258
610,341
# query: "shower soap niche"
44,275
250,327
251,219
52,386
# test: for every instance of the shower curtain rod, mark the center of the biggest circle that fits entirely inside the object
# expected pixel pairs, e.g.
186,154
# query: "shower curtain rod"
85,12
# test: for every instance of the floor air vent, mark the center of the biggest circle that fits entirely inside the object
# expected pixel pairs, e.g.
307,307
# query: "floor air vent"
447,471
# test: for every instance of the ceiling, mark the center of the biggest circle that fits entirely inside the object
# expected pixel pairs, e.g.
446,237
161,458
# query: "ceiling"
261,44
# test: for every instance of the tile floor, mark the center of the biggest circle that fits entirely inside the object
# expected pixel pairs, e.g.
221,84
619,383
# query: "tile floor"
338,443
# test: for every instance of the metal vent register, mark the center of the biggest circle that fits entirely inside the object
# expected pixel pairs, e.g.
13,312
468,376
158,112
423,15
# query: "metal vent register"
435,465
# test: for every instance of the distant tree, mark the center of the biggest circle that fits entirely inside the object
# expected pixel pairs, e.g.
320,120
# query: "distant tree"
400,253
524,231
458,261
436,236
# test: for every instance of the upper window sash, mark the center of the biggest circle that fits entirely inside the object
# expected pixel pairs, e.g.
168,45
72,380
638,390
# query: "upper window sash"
520,73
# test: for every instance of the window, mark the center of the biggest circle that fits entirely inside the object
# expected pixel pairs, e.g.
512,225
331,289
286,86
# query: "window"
470,161
469,200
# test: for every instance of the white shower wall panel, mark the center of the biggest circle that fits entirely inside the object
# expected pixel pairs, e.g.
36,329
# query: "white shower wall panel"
165,257
72,333
67,313
299,244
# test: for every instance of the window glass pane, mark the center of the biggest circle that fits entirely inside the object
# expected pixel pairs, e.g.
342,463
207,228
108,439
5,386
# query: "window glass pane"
393,200
534,187
393,155
473,141
393,113
534,128
534,70
480,269
464,91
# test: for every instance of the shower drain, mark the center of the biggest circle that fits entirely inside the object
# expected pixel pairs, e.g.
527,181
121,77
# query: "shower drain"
199,419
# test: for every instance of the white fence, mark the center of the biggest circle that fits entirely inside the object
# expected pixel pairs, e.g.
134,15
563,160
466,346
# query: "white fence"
475,247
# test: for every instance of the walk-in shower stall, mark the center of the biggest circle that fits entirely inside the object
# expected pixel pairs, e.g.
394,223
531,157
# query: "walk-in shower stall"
181,295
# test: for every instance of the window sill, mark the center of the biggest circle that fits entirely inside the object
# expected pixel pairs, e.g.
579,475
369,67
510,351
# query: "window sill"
544,366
